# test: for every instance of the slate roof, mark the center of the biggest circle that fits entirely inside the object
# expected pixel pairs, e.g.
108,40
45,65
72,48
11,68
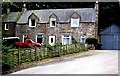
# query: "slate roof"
113,29
11,17
87,15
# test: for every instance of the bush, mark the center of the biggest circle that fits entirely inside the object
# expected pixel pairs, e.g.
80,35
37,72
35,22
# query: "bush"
48,46
6,48
58,44
51,47
74,41
7,60
91,41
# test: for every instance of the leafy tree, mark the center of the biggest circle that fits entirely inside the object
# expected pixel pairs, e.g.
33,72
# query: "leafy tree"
108,11
108,14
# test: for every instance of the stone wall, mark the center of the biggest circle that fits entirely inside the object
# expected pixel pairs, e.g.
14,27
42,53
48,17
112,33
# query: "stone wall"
20,31
10,32
86,29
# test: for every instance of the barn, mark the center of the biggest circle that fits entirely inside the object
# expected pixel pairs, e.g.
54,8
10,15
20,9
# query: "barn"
110,37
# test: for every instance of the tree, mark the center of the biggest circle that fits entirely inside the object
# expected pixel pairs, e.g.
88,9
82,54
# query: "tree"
17,6
108,11
108,14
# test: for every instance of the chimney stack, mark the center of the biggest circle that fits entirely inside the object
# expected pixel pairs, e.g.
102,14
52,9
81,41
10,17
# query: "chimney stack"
24,9
97,13
97,6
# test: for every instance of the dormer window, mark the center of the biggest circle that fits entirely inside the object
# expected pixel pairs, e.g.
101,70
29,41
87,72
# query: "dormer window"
6,27
52,22
75,19
75,22
32,23
32,20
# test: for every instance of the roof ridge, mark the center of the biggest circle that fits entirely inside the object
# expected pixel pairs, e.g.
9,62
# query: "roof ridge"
61,9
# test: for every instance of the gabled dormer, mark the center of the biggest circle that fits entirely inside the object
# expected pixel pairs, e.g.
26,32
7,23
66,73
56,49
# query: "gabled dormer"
53,20
32,20
75,19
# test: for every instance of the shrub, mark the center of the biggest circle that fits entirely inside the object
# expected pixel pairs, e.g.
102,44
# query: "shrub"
58,44
6,48
74,41
51,47
48,46
7,60
91,41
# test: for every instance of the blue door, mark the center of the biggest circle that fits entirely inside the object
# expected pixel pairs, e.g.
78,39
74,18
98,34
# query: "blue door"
110,42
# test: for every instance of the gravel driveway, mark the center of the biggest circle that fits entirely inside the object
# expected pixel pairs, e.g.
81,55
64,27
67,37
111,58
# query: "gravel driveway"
101,62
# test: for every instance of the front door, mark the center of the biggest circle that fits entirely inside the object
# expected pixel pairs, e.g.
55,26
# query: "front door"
52,40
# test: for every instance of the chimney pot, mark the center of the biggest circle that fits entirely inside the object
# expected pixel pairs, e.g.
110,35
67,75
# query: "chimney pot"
24,9
96,1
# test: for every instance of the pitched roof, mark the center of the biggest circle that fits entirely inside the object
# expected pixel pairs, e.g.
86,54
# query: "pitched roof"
87,15
11,17
113,29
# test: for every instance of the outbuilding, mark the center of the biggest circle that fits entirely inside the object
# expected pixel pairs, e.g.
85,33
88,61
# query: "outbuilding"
110,38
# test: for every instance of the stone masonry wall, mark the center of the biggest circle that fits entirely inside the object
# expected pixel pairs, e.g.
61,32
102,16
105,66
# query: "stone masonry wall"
86,29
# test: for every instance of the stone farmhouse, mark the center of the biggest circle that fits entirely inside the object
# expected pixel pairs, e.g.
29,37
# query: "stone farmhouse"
57,25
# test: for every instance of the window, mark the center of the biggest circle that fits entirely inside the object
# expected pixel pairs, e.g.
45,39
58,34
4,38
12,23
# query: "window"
24,38
39,38
32,23
52,22
82,39
66,39
6,27
74,22
51,40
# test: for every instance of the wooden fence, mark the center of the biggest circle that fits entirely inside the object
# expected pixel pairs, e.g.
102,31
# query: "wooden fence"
22,55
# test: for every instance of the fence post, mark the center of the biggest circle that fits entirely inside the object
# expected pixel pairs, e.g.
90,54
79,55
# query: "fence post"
75,48
35,53
66,49
59,51
70,48
19,59
31,54
47,52
79,47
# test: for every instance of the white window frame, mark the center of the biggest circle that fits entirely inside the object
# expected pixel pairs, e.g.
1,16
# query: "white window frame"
77,22
53,40
37,36
30,23
23,38
6,27
52,19
66,37
81,39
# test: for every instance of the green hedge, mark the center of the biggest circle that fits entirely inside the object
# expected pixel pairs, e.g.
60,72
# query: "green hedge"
91,41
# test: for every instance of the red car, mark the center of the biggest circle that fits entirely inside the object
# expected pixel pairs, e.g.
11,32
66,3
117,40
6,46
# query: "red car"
27,43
